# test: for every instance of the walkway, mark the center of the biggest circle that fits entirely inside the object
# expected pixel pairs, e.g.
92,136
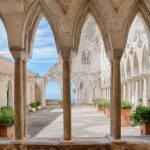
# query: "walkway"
86,122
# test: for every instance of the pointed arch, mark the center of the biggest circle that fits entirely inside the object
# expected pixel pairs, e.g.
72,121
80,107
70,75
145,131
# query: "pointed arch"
53,78
128,68
90,7
4,34
131,21
145,60
135,64
53,90
32,20
32,91
122,71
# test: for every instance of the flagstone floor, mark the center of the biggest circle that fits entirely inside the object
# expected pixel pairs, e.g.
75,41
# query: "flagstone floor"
86,122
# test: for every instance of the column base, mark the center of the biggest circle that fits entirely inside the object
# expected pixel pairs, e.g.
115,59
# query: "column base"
17,141
66,142
113,140
117,144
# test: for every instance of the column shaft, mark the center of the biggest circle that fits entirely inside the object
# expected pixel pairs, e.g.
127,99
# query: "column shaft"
25,97
116,99
111,101
66,100
18,100
145,93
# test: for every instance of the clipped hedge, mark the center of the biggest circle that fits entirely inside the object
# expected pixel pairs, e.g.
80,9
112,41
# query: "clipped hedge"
125,104
103,103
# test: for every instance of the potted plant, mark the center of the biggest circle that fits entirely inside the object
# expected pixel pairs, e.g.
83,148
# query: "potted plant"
105,105
60,103
32,107
95,101
141,116
99,105
108,108
38,105
6,122
126,109
102,105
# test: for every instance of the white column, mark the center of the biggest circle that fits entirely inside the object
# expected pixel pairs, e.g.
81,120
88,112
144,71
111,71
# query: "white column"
124,91
136,93
129,91
145,93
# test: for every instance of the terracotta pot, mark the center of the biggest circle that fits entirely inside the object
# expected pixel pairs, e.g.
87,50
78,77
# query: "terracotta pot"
6,131
104,110
108,111
99,108
125,120
145,129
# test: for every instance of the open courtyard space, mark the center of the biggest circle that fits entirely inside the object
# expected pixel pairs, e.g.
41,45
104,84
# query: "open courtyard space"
86,122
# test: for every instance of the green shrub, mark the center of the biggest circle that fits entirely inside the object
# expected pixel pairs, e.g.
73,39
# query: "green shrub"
141,115
33,105
38,103
103,103
125,104
6,116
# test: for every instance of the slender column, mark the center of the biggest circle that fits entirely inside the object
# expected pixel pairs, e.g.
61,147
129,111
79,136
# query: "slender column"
145,93
124,91
66,95
116,99
136,93
117,54
25,96
111,100
18,100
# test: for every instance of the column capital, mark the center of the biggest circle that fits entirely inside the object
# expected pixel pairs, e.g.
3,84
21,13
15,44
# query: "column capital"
66,53
117,53
19,53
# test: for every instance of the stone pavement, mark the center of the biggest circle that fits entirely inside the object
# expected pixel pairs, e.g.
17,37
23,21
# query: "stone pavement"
86,122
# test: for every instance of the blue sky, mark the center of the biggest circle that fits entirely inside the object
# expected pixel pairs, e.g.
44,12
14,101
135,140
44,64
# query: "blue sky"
44,55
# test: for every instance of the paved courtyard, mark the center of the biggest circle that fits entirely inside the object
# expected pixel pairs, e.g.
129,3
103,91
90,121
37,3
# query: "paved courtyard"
86,122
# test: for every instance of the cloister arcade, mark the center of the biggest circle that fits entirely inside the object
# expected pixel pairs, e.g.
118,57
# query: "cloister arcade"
134,66
121,69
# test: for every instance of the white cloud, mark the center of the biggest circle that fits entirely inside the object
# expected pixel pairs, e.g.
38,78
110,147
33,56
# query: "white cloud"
46,52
